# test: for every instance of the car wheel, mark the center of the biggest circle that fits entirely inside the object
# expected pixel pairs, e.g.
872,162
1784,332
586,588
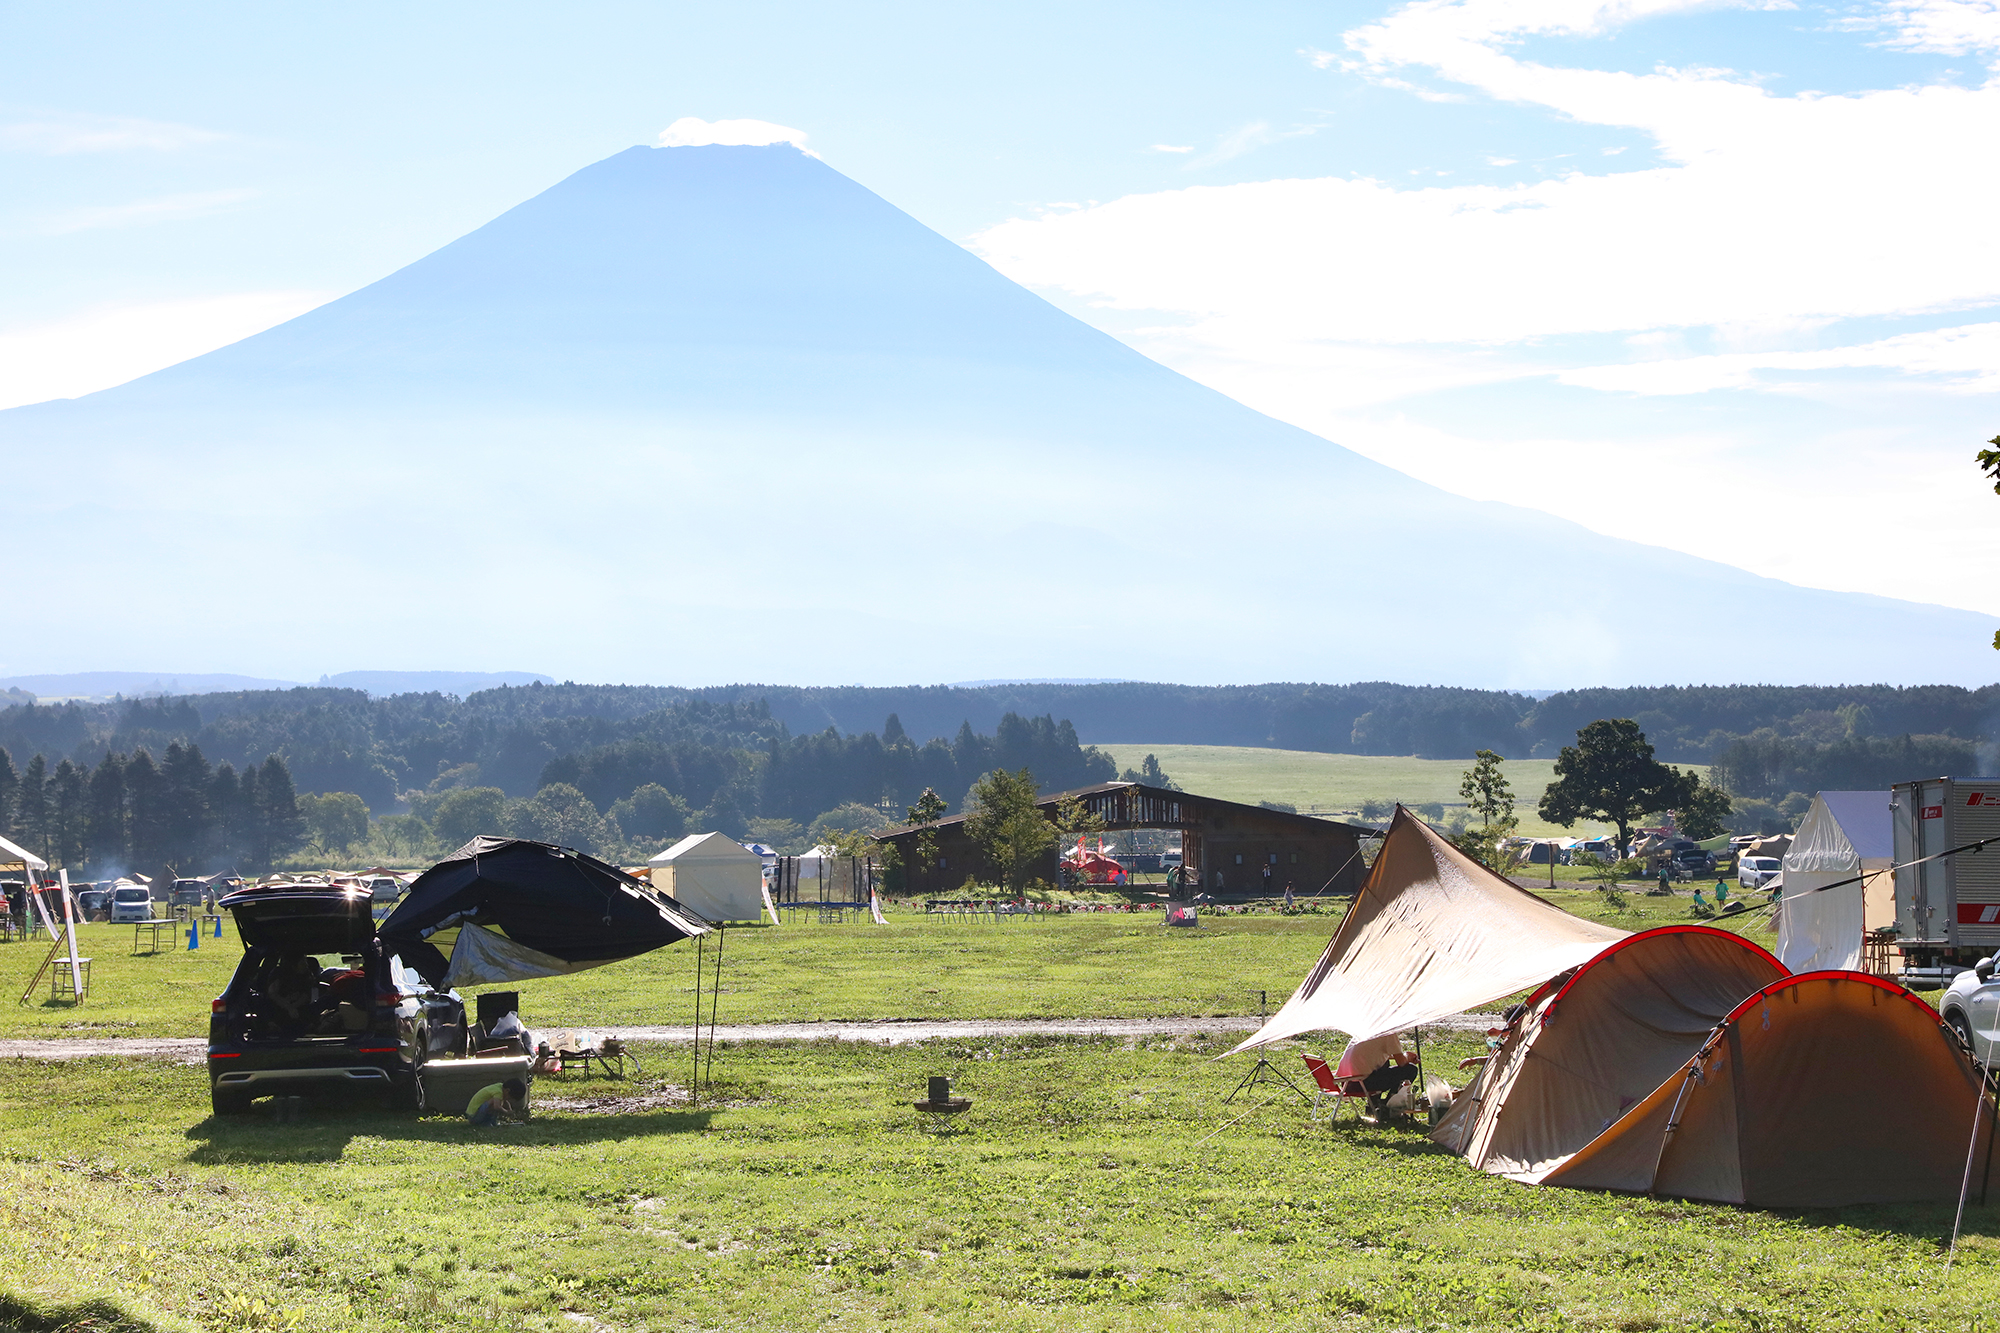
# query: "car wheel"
229,1101
1959,1028
414,1097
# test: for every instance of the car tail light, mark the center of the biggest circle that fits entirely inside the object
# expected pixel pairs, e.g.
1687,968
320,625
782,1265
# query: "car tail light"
225,1055
218,1005
378,1050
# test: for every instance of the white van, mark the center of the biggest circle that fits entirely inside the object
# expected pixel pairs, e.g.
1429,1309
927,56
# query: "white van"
131,902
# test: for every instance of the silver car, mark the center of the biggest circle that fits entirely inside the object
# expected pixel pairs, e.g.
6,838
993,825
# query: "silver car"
1971,1008
1754,872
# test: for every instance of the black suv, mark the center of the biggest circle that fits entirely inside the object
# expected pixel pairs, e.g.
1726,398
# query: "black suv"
316,1005
1694,861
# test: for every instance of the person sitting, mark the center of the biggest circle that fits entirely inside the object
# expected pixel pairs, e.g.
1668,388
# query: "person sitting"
1381,1066
495,1100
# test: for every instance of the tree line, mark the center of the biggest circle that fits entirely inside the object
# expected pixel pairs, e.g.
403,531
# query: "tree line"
179,815
610,774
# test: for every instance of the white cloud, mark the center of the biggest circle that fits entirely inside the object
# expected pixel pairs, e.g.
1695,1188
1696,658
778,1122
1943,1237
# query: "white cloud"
58,134
1173,148
141,212
99,348
1769,209
1966,358
1945,27
694,132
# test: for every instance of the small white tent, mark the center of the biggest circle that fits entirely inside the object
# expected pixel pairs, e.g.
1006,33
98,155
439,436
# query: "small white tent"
12,855
714,875
1844,834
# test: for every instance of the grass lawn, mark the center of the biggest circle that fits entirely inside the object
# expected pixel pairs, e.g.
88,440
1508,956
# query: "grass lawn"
1084,966
1094,1186
1097,1185
1338,781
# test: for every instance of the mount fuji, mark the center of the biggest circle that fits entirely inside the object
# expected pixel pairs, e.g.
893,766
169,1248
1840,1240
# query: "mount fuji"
720,413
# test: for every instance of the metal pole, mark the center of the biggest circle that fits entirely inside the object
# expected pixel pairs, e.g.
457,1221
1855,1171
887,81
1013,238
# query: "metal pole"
694,1078
714,1002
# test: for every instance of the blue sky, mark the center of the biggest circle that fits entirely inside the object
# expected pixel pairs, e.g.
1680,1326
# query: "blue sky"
1717,277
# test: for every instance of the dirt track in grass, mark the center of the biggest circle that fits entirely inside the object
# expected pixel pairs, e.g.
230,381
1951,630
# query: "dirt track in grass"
188,1050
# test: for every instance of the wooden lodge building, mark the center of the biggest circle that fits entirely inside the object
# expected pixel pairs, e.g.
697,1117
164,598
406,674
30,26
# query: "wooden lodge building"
1227,843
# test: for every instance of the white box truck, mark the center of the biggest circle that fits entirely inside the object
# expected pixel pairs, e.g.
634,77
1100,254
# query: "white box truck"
1947,910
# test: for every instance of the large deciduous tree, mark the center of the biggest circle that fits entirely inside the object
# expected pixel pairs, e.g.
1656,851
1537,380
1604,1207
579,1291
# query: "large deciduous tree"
1003,822
1610,774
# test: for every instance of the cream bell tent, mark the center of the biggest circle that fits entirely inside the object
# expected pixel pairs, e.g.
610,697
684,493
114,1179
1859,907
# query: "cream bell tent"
1431,933
713,874
1818,1091
1593,1043
1843,834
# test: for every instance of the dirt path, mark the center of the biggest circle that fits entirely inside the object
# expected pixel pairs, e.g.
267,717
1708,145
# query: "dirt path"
892,1032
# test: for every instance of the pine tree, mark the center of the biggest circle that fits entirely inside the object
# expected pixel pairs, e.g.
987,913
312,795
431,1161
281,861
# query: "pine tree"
10,791
282,824
189,823
225,806
31,809
66,824
104,831
145,804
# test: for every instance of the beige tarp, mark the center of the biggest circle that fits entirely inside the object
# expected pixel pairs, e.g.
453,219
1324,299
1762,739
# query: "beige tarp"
1823,1090
1589,1049
1431,933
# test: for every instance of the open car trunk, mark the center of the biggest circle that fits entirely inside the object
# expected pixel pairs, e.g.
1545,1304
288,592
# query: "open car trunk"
303,918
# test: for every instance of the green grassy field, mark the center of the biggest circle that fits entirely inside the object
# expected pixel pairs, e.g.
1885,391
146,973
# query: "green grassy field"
1094,1186
1338,781
1093,966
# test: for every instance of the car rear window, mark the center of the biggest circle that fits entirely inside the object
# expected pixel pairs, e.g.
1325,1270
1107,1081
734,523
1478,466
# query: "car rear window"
1762,863
132,896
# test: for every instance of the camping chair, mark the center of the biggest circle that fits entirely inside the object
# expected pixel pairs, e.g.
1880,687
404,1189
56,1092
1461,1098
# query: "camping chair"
1340,1089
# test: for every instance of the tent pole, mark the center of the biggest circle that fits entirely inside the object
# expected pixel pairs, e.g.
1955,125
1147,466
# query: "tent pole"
694,1078
1971,1150
714,1001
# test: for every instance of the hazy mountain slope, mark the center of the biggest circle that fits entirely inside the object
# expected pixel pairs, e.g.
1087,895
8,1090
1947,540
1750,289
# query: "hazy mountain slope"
700,414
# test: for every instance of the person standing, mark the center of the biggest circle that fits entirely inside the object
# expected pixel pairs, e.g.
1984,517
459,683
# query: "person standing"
1267,879
1288,895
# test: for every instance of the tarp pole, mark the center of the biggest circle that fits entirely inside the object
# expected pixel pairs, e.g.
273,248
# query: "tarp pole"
715,1001
694,1078
1971,1150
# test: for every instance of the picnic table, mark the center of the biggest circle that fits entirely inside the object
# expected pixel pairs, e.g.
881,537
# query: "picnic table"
155,925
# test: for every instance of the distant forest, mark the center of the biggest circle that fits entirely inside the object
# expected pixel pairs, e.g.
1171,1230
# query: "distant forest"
617,768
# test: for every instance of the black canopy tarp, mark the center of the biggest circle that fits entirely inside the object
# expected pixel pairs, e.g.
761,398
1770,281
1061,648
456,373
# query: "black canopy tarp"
528,909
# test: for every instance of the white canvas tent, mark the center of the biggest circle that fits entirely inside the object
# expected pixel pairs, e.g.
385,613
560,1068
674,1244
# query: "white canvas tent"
1843,834
1431,933
713,874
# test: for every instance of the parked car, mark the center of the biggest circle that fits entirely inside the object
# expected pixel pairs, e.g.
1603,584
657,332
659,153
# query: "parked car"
317,1006
386,888
1693,861
1757,871
1971,1008
92,899
187,893
131,902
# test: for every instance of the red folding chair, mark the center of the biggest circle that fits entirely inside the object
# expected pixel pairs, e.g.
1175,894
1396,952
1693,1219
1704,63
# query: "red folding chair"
1340,1089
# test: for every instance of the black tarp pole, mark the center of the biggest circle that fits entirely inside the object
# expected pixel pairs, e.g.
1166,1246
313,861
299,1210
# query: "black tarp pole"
694,1078
714,1002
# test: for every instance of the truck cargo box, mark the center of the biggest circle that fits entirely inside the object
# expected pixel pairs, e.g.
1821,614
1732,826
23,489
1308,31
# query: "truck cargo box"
1951,905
